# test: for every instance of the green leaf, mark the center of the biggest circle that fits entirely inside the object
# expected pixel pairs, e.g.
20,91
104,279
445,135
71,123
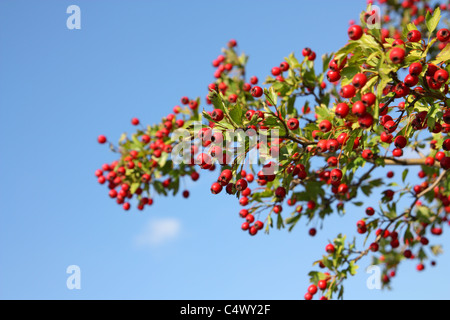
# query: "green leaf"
432,21
236,114
352,268
404,174
271,96
280,223
134,186
443,56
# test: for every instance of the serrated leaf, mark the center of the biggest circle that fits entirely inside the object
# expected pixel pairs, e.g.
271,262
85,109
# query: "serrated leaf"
432,21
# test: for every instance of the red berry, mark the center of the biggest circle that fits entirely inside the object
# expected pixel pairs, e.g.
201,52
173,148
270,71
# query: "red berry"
284,66
322,284
359,80
347,91
325,126
414,36
135,121
365,121
293,124
342,110
400,142
216,188
368,99
443,35
441,76
358,109
333,76
256,91
415,69
397,55
276,71
312,289
355,32
217,115
101,139
330,248
241,185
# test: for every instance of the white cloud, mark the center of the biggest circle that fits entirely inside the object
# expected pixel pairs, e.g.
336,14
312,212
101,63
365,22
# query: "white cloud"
158,232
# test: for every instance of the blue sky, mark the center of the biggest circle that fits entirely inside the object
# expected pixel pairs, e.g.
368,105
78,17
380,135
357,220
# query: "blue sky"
61,88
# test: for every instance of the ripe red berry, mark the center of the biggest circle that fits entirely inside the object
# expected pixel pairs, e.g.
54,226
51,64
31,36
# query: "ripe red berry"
347,91
241,185
217,115
342,110
390,126
312,289
325,126
336,175
386,137
312,56
276,71
359,80
193,104
216,188
355,32
411,80
368,99
101,139
284,66
184,100
441,76
358,109
243,201
445,163
374,247
397,55
232,43
333,76
414,36
400,142
259,225
306,52
330,248
277,209
415,69
365,121
256,91
370,211
293,124
367,154
429,161
443,35
397,152
322,284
